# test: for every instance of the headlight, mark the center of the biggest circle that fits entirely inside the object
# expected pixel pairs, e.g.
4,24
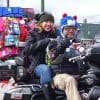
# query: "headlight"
89,81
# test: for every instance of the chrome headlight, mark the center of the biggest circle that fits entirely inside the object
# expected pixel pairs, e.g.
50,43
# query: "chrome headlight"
89,81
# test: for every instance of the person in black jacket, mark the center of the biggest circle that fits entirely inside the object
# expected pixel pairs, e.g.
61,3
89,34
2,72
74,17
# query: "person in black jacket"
64,50
36,44
63,69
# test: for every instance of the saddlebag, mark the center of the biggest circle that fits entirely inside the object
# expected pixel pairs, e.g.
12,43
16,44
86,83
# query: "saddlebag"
9,69
25,92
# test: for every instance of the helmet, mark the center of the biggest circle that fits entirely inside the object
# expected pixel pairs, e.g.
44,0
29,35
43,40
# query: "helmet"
67,21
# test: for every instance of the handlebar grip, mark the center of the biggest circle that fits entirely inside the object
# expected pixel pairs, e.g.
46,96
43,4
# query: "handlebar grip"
73,59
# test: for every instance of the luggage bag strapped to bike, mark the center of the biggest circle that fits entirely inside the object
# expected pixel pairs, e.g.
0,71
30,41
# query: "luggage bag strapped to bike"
25,92
9,69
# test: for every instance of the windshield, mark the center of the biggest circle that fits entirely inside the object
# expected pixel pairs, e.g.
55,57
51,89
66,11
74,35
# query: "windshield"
97,37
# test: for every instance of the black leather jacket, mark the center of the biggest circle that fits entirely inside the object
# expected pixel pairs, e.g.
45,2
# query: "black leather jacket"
36,44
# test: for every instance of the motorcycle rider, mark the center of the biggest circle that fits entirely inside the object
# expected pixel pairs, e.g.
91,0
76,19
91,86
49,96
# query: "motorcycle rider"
60,65
36,44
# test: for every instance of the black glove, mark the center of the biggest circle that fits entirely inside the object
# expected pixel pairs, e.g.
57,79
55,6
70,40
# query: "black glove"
64,43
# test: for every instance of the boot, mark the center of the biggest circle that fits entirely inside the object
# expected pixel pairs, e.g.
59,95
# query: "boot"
46,91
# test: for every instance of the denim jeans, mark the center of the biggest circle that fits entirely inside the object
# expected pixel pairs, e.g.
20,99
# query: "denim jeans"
44,73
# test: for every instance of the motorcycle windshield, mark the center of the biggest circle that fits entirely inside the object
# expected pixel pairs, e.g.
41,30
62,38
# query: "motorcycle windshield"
97,37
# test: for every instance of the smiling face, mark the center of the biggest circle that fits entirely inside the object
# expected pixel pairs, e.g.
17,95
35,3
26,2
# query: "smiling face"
47,25
69,32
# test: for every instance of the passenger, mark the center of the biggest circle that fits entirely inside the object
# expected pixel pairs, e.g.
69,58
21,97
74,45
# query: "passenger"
35,49
60,65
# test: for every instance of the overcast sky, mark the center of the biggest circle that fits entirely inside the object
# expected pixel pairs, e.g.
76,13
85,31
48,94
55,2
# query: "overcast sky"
89,9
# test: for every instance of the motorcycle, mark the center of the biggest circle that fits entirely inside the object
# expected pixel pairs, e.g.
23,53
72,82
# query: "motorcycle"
34,89
89,82
91,79
94,70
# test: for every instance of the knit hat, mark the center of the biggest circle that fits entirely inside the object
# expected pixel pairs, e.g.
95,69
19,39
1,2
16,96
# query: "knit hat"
67,21
46,17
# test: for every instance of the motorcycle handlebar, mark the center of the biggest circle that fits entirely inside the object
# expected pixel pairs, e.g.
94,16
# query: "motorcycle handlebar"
73,59
81,56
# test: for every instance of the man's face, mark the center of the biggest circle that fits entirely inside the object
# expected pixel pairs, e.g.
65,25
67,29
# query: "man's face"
69,32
